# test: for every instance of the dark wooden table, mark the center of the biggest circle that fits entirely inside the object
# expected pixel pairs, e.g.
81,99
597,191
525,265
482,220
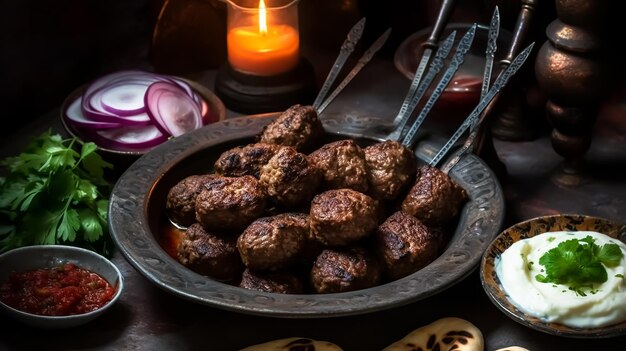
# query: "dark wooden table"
147,318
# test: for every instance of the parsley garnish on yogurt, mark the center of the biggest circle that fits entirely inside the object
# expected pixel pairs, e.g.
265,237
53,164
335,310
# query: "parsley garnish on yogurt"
579,263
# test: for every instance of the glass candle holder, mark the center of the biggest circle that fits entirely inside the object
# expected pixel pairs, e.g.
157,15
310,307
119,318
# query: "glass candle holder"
265,71
263,36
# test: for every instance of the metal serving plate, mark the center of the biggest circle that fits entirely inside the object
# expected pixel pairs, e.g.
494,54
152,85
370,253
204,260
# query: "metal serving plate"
137,210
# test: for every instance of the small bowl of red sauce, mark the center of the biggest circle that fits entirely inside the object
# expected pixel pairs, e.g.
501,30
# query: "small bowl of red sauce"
57,286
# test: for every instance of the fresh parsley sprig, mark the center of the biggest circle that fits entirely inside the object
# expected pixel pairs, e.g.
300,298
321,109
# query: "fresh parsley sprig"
53,193
579,263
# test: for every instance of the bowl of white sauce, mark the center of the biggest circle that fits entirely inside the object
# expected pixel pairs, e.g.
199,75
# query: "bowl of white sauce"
560,274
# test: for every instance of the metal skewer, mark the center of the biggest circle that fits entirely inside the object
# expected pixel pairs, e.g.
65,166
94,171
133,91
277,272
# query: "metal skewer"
494,29
492,45
500,82
462,48
367,56
415,94
346,49
431,43
476,139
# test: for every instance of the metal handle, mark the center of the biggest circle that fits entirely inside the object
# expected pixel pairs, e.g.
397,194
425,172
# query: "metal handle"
462,48
445,11
521,29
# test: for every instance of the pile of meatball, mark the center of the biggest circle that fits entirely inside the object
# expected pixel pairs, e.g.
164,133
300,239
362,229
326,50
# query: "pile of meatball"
288,215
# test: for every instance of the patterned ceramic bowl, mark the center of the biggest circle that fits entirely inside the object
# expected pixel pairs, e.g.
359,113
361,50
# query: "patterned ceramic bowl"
530,228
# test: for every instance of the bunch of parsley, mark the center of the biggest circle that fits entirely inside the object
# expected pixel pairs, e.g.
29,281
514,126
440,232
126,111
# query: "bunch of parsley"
55,192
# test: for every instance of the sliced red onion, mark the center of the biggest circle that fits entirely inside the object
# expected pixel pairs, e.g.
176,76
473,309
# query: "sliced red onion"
123,99
107,79
94,109
130,137
98,113
188,89
101,105
173,111
140,119
137,110
118,95
75,116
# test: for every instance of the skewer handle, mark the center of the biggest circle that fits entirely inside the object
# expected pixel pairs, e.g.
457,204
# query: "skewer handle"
416,93
462,48
445,11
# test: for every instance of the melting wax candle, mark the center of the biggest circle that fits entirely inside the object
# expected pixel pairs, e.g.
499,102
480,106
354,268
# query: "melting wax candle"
264,50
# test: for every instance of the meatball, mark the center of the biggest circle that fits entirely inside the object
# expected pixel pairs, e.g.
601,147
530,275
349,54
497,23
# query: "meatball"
311,250
344,270
230,203
392,168
434,198
342,216
289,179
274,282
209,254
273,243
299,127
180,203
405,245
342,164
245,160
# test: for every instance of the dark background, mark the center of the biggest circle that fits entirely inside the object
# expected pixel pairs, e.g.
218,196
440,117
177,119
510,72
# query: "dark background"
50,48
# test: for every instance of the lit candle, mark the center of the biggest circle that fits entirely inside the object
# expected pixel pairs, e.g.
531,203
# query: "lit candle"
263,50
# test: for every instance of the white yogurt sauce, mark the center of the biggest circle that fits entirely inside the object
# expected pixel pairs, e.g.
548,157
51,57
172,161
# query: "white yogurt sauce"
555,302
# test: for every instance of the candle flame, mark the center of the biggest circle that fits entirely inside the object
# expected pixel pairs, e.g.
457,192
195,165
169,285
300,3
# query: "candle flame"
262,17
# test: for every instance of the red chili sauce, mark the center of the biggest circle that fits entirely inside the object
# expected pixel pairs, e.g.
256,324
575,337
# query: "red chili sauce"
60,291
